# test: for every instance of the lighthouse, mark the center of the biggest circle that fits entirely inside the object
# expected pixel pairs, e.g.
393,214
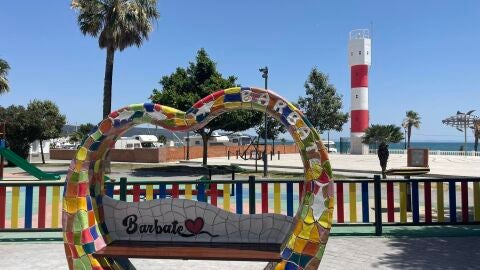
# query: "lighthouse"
359,51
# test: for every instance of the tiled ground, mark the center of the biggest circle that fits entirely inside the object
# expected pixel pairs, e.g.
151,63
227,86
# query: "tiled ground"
342,253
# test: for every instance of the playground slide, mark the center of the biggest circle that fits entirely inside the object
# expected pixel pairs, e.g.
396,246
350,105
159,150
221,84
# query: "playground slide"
26,166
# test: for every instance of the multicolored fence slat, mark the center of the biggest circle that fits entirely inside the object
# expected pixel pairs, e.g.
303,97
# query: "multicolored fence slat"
428,202
264,197
452,200
390,203
415,203
213,194
476,200
403,202
440,203
188,191
226,197
276,198
340,201
14,212
365,204
149,192
55,207
28,207
352,197
464,189
239,197
3,206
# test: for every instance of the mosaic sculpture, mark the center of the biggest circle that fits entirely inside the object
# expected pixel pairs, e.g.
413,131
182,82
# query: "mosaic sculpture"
85,230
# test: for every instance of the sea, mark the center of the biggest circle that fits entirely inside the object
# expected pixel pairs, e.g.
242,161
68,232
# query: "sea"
442,146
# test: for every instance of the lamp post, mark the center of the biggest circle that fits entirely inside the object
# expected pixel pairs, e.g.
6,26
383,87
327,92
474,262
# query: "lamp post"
264,156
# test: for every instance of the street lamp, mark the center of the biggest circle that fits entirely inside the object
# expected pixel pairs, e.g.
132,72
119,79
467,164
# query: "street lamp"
264,72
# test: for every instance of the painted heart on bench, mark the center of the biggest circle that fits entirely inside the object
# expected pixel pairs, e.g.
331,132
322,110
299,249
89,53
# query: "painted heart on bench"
194,227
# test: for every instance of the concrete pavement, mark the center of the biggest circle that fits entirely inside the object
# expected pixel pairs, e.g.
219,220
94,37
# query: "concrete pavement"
342,253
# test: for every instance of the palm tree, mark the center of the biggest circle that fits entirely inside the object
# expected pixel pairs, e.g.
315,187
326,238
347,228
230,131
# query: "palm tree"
382,135
4,68
412,119
118,24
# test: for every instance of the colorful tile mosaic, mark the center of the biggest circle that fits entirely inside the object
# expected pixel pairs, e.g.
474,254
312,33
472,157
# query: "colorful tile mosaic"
88,215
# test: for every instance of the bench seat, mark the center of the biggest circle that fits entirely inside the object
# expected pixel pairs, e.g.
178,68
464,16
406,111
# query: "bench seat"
268,252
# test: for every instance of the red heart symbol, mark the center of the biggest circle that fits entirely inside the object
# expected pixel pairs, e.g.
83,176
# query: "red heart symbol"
196,226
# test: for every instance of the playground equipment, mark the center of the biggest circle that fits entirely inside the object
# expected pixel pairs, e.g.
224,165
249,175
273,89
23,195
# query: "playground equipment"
102,233
20,162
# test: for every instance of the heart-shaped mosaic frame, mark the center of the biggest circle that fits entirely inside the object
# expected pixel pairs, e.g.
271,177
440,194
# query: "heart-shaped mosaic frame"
84,228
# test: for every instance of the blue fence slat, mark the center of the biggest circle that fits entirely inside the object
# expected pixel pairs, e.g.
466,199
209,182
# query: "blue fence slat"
452,200
162,191
109,190
415,203
365,214
201,192
290,199
28,206
239,198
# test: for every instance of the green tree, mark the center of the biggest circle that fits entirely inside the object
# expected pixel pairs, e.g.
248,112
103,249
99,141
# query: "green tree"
81,132
18,128
47,121
274,128
4,68
382,136
186,86
412,119
162,139
118,24
322,104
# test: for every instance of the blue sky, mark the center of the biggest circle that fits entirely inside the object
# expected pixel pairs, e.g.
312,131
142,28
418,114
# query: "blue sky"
425,54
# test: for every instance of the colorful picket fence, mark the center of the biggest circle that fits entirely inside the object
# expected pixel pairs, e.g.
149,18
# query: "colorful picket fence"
36,205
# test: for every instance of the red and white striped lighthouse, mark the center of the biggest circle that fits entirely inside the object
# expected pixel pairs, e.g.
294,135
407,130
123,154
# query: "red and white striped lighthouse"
359,47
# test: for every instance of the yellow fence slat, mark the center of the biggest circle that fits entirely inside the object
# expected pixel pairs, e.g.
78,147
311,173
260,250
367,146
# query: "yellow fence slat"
226,197
352,201
476,200
276,198
55,203
403,202
440,207
149,192
188,191
15,199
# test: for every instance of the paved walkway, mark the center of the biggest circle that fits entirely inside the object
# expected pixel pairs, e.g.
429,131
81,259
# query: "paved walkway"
439,165
342,253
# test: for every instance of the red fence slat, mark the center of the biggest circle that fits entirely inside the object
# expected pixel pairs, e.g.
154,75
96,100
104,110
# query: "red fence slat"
300,191
42,203
3,199
390,206
213,192
340,214
136,193
264,197
176,191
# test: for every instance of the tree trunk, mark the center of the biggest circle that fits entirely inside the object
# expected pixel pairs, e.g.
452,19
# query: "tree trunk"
383,154
107,84
409,134
205,138
107,95
41,151
273,145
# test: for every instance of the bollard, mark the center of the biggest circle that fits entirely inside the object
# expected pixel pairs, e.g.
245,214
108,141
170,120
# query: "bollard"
237,153
209,173
271,155
278,155
228,154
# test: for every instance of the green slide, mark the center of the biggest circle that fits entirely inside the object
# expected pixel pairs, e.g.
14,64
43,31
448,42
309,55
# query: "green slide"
26,166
